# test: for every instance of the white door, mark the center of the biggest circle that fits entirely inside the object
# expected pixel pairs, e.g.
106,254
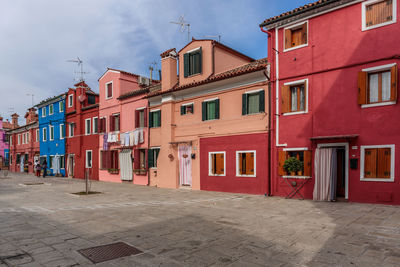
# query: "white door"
185,165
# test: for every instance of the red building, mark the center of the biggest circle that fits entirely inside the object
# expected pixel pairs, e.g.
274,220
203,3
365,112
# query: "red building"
82,138
24,142
334,74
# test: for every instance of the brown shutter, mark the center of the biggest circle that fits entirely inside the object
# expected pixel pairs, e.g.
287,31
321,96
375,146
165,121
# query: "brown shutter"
116,165
136,118
307,163
220,163
145,117
362,87
393,86
285,93
370,162
249,163
240,164
384,161
136,159
282,158
304,34
288,39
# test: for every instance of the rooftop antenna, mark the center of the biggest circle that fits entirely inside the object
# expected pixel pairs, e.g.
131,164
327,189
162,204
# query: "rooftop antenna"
80,64
32,95
183,24
214,36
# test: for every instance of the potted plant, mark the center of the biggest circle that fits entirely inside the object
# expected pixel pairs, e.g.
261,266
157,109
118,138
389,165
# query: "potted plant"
293,165
113,171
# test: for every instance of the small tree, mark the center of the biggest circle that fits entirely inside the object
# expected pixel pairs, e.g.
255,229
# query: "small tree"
292,164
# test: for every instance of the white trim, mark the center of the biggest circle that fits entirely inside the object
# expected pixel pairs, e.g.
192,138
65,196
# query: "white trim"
44,136
255,165
210,99
51,113
297,82
362,162
291,27
254,91
37,136
346,145
379,104
44,111
296,177
209,163
363,15
86,126
71,131
93,128
86,159
112,90
305,82
61,136
167,98
379,68
59,106
70,102
140,108
155,147
113,71
296,149
277,88
51,127
294,113
187,104
155,110
193,50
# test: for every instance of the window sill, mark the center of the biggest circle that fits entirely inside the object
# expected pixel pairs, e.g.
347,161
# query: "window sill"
296,177
294,48
295,113
217,175
388,103
390,180
364,28
210,120
241,176
257,113
192,75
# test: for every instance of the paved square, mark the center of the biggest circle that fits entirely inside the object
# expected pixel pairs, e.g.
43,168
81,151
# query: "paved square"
44,225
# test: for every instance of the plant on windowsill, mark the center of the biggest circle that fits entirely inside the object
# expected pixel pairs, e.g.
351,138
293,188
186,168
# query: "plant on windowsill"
113,171
293,166
140,171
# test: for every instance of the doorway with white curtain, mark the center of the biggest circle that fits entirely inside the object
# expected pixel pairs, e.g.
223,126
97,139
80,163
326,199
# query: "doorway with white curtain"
331,171
185,164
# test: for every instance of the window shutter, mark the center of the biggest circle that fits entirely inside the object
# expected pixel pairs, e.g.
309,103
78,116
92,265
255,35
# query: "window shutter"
200,59
111,123
249,163
159,118
204,111
150,159
262,101
393,87
186,65
304,34
182,110
240,163
307,163
220,163
216,108
362,87
136,118
288,39
151,120
370,162
145,117
244,104
282,158
116,165
192,108
136,159
285,101
104,125
384,162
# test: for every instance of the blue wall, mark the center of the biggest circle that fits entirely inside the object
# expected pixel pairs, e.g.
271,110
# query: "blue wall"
57,146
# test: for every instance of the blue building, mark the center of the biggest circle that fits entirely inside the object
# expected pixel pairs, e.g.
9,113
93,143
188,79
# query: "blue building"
52,133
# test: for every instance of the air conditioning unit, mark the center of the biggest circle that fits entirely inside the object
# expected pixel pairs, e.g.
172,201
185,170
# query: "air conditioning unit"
144,80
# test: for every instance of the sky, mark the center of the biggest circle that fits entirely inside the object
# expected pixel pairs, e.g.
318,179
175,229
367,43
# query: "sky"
37,38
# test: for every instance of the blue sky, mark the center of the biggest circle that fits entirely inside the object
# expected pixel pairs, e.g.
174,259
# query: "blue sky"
42,35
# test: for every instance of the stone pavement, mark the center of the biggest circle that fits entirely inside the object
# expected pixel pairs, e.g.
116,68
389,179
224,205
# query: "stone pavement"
44,225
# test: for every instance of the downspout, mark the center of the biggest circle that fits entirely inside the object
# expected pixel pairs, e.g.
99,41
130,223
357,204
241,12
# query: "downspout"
148,140
269,135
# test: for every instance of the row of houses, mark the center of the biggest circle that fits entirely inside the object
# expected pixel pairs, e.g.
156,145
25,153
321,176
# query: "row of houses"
316,119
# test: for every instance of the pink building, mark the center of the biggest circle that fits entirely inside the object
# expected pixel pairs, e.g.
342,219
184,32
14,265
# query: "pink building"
334,71
4,148
123,127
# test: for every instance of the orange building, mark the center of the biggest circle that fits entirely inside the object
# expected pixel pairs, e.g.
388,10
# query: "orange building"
209,122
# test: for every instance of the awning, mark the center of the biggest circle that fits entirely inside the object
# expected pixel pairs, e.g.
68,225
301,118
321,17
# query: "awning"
348,136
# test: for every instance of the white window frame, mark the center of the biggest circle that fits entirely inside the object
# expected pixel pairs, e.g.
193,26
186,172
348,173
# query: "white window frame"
86,126
94,130
11,141
291,27
112,90
51,127
209,163
379,69
18,139
61,104
362,163
43,112
237,163
37,135
61,131
298,82
250,93
71,130
70,100
363,15
51,106
44,134
296,149
154,159
86,159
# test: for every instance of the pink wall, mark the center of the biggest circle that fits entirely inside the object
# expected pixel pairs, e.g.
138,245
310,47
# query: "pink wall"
3,144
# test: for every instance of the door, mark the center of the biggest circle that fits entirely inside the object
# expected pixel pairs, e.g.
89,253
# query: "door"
71,166
185,165
341,183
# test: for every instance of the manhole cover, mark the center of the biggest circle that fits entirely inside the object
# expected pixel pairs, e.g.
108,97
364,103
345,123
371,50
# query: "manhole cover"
109,252
33,183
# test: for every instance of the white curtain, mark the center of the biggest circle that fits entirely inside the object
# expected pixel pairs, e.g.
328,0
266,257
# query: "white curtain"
185,164
21,165
125,160
373,88
294,99
386,80
323,174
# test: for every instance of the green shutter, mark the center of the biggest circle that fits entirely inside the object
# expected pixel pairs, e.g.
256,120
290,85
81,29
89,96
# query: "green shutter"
200,60
217,109
150,120
182,110
204,111
186,65
150,159
159,118
262,101
244,104
192,108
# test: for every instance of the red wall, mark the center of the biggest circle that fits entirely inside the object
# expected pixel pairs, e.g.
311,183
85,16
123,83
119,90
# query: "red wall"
32,148
336,41
231,183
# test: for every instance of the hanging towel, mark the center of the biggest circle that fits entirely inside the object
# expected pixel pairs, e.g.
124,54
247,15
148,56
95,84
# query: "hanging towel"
109,136
141,139
126,139
105,141
136,137
131,139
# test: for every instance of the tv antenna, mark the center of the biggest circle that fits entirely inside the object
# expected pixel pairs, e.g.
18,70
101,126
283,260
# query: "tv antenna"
80,65
32,95
11,110
214,37
183,25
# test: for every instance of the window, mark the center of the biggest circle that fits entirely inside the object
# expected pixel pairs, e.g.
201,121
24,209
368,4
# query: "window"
43,112
377,163
51,109
246,163
140,118
62,131
187,109
70,101
377,13
377,85
114,122
294,97
11,159
11,140
88,158
91,99
71,129
44,134
109,159
61,106
19,139
102,126
296,36
192,62
216,163
50,163
95,125
253,102
88,124
37,135
155,118
139,161
153,156
18,159
210,109
23,138
51,130
302,155
109,90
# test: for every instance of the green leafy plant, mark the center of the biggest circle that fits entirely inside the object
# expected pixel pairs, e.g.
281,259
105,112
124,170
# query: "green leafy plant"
293,165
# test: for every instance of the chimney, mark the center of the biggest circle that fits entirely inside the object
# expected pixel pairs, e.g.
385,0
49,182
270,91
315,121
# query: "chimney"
14,120
169,69
31,116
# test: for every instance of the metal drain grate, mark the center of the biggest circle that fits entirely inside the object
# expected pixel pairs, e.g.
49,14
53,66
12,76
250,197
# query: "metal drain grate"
109,252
